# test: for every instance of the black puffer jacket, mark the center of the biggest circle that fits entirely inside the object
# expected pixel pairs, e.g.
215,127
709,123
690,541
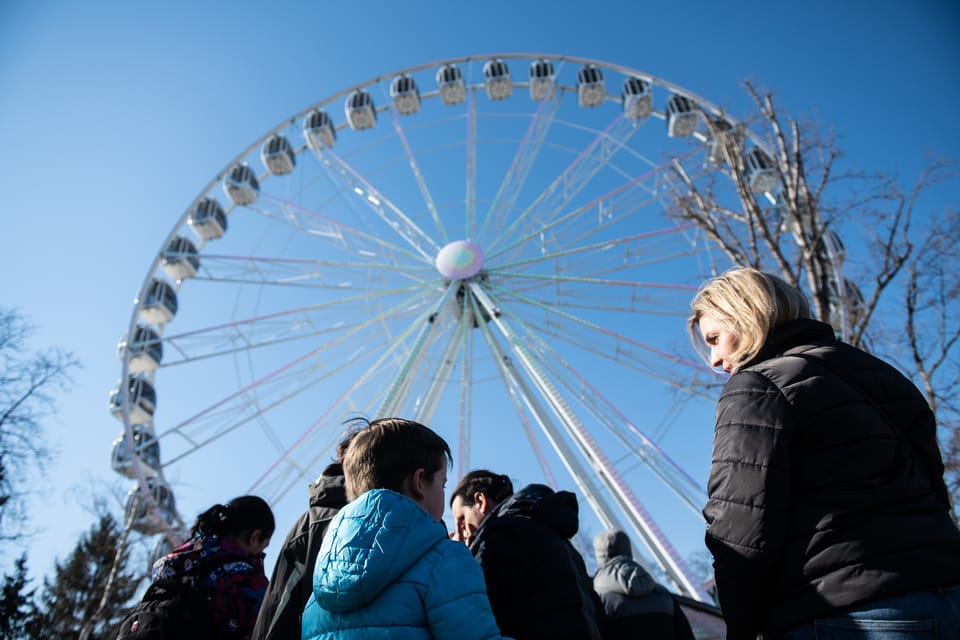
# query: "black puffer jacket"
537,582
292,582
815,503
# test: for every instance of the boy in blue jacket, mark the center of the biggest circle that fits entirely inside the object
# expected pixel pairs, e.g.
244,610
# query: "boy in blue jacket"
386,567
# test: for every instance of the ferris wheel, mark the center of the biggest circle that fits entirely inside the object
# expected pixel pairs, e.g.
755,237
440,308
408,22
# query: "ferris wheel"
482,244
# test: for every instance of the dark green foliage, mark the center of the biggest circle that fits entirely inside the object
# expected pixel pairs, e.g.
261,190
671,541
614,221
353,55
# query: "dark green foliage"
73,597
16,602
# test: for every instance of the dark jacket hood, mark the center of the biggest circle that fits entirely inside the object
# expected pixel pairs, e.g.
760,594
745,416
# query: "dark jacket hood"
330,489
558,510
792,334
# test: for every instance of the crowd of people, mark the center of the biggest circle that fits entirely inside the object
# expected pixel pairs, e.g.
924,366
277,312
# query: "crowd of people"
827,517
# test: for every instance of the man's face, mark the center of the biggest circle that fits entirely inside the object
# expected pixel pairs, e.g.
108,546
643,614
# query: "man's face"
469,517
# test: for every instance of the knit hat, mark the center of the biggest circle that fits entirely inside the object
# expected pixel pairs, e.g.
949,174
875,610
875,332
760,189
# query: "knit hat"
609,544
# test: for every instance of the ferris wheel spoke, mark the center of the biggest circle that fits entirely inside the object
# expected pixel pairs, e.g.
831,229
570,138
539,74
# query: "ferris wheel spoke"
332,274
340,172
375,369
418,174
242,401
398,390
254,401
612,210
466,389
517,398
606,343
471,164
340,236
285,326
513,181
643,522
605,413
557,196
622,252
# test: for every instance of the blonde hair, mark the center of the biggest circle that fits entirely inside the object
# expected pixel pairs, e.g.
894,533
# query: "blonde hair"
750,304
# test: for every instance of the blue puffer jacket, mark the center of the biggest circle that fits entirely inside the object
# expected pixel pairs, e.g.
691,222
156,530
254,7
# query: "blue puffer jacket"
386,569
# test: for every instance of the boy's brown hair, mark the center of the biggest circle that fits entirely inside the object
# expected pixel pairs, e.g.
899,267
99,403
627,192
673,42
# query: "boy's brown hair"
383,454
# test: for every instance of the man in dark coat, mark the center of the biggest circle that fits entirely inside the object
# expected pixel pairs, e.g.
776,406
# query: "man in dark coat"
292,581
537,582
635,605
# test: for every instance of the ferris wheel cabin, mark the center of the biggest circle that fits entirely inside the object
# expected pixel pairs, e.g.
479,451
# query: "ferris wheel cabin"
145,448
145,349
542,80
496,75
277,155
240,185
681,116
637,98
715,147
143,400
207,219
761,171
591,91
360,112
451,86
405,95
141,517
159,302
179,259
318,130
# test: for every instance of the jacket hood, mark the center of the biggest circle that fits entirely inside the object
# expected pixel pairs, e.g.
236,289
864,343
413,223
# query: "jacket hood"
610,544
791,334
330,489
370,543
197,555
559,510
623,575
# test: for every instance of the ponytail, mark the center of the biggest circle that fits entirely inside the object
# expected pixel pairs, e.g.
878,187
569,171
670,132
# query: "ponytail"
240,516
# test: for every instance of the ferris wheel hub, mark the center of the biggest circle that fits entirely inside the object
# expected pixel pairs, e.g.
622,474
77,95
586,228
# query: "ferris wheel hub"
459,260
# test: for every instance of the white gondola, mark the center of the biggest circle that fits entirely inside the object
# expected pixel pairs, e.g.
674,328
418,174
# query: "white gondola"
496,73
681,116
360,112
207,219
543,80
450,84
145,350
715,150
143,400
837,249
145,448
240,185
318,130
853,299
158,303
179,259
637,98
139,514
405,95
277,155
761,171
591,91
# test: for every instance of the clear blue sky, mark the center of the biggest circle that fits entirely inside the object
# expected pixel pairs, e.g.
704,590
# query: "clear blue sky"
115,116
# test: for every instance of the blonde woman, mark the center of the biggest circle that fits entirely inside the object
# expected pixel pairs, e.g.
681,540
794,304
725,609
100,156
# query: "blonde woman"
827,508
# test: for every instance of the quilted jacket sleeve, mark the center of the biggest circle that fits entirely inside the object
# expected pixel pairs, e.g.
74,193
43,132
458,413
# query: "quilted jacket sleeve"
749,489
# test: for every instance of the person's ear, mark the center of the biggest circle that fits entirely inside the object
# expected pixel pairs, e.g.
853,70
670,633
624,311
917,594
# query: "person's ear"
417,485
479,498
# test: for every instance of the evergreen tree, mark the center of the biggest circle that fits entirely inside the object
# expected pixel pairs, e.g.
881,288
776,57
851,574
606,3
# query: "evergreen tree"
16,603
74,595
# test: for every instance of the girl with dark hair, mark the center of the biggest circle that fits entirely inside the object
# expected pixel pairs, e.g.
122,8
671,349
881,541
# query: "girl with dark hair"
225,551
